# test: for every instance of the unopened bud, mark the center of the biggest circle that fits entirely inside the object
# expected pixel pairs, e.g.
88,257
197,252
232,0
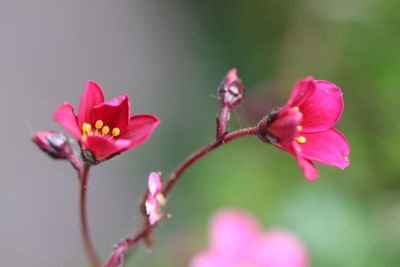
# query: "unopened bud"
54,144
231,90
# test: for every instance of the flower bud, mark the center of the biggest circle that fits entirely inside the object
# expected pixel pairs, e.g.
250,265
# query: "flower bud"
231,90
54,144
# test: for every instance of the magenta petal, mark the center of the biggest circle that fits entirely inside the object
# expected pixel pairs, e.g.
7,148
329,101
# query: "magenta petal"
322,109
154,183
279,248
140,128
308,168
92,96
113,113
103,147
328,147
284,127
302,90
232,232
65,116
211,259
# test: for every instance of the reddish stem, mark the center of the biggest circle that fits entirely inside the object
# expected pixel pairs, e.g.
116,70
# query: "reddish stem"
123,246
90,250
174,177
223,120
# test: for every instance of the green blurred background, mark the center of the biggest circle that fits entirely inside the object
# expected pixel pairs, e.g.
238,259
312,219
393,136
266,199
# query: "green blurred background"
170,57
347,218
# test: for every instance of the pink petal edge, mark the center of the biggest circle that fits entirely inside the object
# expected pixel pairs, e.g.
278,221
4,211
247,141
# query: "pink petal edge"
92,96
65,116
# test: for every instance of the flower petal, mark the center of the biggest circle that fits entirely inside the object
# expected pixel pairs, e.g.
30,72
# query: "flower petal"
284,127
322,109
65,116
328,147
154,183
140,128
151,206
308,168
302,90
92,96
113,113
211,259
103,147
280,248
232,232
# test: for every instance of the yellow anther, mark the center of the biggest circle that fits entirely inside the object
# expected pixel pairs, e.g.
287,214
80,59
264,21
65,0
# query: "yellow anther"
301,139
98,124
295,108
116,131
299,128
105,130
86,128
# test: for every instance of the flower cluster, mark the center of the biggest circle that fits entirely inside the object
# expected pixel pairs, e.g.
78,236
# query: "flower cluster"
237,240
104,129
304,126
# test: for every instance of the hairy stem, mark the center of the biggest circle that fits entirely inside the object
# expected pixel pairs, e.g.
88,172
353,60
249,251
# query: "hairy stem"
90,250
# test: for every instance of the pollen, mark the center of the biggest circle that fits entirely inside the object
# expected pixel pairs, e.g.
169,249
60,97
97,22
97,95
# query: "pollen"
98,124
86,128
299,128
105,130
116,131
295,108
301,139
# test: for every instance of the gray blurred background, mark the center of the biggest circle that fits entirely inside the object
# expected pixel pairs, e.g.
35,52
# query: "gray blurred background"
170,56
48,51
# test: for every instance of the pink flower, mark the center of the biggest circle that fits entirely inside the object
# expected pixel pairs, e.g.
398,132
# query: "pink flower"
237,240
105,128
155,199
304,126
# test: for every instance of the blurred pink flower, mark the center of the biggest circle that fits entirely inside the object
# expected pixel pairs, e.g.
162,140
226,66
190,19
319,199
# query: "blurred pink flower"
155,199
237,241
105,128
304,126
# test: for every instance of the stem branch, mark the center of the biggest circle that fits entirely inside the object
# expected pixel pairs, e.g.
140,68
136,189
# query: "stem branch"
87,241
121,248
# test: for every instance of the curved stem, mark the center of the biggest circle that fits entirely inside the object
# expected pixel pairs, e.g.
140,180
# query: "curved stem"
174,177
121,248
90,250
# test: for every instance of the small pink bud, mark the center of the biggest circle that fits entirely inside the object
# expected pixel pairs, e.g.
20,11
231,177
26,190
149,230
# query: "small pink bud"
231,90
54,144
155,199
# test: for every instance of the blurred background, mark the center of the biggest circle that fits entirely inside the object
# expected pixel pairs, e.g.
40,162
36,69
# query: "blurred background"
170,56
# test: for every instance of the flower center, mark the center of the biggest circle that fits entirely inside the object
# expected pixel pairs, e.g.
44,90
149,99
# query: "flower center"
100,130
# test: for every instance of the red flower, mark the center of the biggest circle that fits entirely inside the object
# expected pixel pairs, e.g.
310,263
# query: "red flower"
105,128
304,126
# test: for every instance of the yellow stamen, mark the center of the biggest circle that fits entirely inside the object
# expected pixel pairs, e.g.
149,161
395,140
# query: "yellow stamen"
299,128
86,128
98,124
301,140
116,131
295,108
105,130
